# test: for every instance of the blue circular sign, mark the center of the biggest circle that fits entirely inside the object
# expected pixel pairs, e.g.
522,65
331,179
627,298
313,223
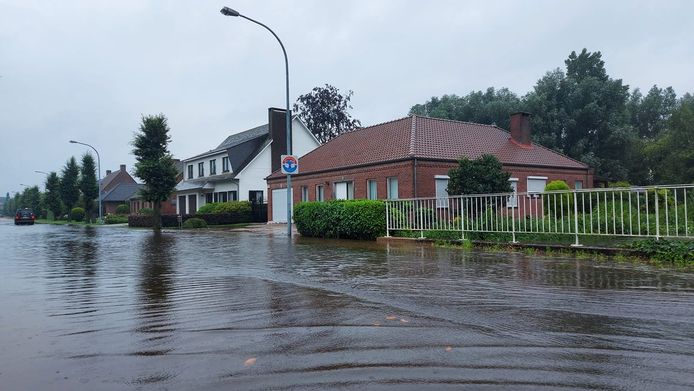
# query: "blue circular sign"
289,164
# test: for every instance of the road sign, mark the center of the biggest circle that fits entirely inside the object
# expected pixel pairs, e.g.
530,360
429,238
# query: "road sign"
290,164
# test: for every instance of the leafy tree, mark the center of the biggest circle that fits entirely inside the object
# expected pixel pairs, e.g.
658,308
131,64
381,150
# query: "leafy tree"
490,107
31,198
154,164
88,185
672,154
649,114
583,114
52,198
324,111
483,175
6,205
69,185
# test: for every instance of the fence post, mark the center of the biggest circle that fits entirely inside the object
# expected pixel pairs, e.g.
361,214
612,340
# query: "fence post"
462,217
387,220
576,244
513,223
657,216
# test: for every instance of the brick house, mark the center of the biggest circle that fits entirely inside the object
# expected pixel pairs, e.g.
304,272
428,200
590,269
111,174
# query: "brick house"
410,157
109,183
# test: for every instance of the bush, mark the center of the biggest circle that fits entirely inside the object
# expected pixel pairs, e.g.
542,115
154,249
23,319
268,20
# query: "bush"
115,219
195,222
678,252
123,209
77,214
146,211
231,207
353,219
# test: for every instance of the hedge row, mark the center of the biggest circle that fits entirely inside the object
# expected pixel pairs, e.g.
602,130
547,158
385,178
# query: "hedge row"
172,220
353,219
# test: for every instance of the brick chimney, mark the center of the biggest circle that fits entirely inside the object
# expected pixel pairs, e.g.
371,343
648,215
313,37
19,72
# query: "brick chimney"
278,133
108,172
520,128
122,167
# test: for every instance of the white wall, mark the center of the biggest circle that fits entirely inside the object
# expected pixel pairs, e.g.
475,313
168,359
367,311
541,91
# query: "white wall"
303,141
252,177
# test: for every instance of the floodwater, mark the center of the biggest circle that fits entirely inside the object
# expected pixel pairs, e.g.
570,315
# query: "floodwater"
116,309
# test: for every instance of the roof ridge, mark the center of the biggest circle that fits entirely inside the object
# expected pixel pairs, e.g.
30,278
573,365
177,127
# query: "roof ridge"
413,134
457,121
548,149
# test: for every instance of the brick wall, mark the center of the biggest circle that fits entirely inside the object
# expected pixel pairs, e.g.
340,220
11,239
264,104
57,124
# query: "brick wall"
405,171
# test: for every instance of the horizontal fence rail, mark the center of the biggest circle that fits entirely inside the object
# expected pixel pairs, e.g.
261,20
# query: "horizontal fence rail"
651,211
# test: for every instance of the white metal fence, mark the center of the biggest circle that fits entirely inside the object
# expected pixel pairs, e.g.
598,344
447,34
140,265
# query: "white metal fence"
652,211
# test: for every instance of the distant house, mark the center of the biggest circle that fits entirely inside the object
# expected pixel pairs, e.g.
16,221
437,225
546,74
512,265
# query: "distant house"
113,179
121,193
168,206
237,167
410,157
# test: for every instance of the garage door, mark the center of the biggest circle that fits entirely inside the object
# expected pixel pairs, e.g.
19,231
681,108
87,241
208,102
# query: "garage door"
279,205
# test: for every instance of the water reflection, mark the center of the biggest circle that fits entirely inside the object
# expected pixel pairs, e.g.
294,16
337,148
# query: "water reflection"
121,309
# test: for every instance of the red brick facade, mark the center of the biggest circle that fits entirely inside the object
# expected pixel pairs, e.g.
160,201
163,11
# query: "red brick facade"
425,172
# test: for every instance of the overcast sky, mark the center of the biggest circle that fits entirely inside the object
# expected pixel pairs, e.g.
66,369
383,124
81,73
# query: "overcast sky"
88,70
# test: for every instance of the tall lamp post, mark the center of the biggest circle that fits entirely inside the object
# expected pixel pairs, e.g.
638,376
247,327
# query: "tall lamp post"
230,12
98,168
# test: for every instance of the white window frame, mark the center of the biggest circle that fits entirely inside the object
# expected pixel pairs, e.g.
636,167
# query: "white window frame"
320,193
578,184
213,167
441,197
201,169
371,195
389,180
535,178
349,190
304,193
225,164
512,201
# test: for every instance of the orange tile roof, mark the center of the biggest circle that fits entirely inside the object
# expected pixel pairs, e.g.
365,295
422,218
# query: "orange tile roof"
427,138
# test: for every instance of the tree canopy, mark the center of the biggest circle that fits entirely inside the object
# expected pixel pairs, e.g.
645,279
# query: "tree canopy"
52,196
69,185
88,184
584,113
324,111
154,164
484,175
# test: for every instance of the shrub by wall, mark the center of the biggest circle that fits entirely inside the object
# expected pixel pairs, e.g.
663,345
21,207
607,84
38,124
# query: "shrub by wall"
195,222
353,219
230,207
77,214
123,209
115,219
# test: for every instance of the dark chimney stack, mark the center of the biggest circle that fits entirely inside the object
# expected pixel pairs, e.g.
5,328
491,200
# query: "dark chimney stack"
278,133
520,128
122,167
108,172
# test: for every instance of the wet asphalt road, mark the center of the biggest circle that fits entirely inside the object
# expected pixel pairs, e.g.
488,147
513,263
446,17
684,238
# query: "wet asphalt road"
117,309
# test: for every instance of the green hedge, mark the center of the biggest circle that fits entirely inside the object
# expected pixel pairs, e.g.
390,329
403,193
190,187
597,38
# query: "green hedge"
77,214
353,219
195,222
239,207
115,219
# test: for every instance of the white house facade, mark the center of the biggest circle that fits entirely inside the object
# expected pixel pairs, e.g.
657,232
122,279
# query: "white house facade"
236,169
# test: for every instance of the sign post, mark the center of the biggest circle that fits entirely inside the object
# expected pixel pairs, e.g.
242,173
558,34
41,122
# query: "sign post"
289,165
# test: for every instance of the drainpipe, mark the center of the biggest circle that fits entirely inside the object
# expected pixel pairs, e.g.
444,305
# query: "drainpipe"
414,178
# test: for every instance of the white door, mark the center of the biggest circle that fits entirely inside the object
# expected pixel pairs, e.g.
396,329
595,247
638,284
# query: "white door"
279,205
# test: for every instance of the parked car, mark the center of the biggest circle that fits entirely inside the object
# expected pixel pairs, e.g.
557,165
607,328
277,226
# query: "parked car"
24,216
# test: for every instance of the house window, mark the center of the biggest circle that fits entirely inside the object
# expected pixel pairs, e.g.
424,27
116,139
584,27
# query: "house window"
213,166
209,197
190,171
320,193
221,196
512,201
392,188
304,193
536,184
255,196
201,169
578,185
344,190
371,189
441,192
225,164
233,195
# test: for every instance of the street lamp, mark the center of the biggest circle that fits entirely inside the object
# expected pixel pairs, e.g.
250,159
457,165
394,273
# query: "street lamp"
41,172
230,12
98,168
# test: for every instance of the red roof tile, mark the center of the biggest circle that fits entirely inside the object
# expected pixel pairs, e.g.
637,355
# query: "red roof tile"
427,138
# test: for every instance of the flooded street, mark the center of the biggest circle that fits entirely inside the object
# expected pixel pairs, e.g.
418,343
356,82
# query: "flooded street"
115,309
